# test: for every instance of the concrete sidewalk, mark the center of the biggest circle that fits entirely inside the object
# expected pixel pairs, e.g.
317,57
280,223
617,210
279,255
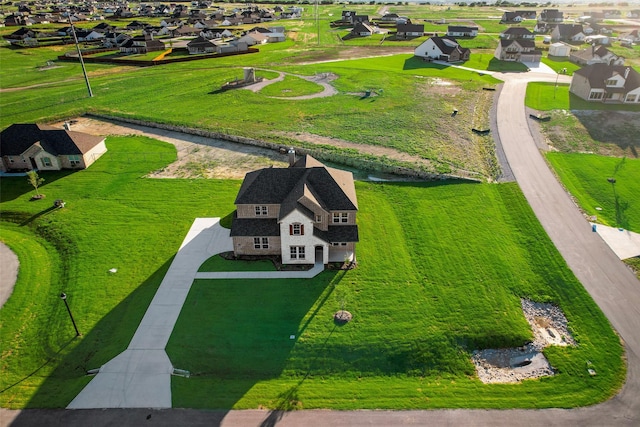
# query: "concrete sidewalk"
140,377
624,243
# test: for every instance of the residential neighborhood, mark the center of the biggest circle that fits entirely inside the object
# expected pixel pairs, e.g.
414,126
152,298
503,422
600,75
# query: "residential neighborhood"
319,213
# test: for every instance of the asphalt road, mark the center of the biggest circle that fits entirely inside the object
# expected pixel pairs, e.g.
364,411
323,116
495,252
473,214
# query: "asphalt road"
608,280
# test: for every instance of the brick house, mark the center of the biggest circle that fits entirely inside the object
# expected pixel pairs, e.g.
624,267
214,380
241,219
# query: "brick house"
305,213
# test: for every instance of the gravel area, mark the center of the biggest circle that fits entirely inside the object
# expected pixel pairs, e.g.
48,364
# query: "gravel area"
510,365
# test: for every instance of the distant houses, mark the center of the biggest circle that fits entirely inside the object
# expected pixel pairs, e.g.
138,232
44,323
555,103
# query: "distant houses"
517,16
607,83
443,49
460,31
568,33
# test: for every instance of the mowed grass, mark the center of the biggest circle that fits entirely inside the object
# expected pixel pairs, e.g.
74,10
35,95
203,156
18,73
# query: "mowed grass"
586,176
441,270
113,218
422,129
549,96
217,263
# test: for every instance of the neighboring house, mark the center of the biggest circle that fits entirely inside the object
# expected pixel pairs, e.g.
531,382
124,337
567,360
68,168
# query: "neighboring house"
598,39
568,33
252,39
305,213
22,36
517,16
442,48
32,146
233,47
362,29
551,16
142,44
607,83
596,55
458,31
630,37
405,31
390,17
559,49
521,50
200,45
514,33
88,35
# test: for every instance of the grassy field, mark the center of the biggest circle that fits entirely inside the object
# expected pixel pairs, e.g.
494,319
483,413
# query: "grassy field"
422,129
416,318
545,96
586,177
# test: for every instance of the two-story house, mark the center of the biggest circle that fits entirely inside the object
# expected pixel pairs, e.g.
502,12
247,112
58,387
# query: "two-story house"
551,16
607,83
568,33
517,44
517,16
141,44
305,213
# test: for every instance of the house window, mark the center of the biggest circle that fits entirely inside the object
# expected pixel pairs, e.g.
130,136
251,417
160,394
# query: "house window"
11,159
261,243
611,82
319,217
74,160
296,229
297,252
340,217
631,98
595,95
46,161
261,211
339,244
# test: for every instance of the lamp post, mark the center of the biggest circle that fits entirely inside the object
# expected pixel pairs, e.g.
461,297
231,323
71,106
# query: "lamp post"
63,296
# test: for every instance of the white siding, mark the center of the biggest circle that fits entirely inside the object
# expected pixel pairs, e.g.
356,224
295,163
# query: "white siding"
308,240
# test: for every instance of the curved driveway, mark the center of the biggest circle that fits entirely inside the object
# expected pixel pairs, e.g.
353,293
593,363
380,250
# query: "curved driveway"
612,285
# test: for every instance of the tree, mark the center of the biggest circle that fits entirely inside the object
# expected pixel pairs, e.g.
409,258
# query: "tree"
35,180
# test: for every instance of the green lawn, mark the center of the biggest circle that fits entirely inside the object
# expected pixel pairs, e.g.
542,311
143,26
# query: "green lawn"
217,263
549,96
558,64
291,86
586,176
415,317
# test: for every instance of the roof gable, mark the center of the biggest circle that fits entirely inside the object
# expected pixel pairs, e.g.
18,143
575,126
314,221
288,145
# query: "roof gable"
17,138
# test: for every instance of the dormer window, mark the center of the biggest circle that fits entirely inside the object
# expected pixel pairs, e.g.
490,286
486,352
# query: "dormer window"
611,82
262,211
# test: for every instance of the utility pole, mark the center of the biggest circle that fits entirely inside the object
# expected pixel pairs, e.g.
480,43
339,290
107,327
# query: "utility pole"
84,71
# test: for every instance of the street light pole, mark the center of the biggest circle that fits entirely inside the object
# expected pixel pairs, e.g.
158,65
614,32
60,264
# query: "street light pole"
63,296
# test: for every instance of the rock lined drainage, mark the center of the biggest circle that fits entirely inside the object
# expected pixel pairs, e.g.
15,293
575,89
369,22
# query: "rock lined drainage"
510,365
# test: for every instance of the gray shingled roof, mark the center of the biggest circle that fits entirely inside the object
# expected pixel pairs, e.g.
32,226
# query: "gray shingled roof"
281,185
517,31
522,42
17,138
255,227
338,234
446,48
598,74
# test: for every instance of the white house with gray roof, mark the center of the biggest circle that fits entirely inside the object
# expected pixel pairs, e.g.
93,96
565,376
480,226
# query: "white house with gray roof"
305,213
607,83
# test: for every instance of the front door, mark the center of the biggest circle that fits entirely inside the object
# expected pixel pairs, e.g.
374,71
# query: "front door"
34,165
319,254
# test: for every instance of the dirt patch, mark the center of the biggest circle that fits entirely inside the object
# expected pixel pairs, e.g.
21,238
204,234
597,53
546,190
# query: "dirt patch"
198,157
366,149
608,133
509,365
